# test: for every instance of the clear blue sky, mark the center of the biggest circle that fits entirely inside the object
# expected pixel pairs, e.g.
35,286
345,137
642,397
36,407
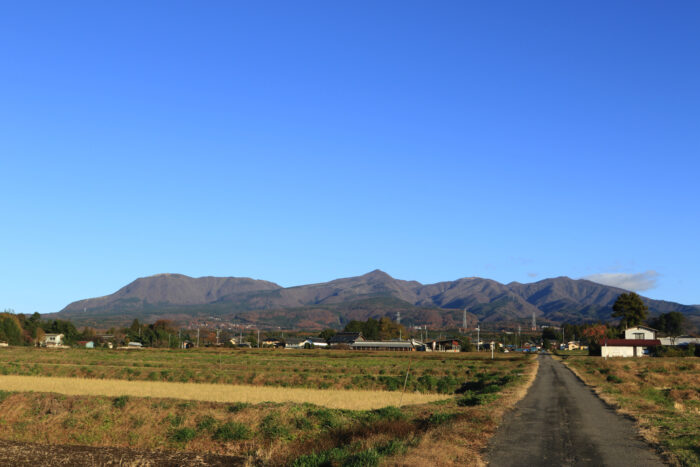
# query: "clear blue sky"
300,142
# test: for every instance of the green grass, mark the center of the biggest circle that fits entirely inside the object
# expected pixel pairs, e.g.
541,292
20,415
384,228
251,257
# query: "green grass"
232,431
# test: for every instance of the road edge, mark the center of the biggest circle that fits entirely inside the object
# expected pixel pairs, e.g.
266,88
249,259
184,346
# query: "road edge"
511,398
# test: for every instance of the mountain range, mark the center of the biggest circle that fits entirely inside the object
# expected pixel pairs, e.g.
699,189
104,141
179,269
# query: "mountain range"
375,294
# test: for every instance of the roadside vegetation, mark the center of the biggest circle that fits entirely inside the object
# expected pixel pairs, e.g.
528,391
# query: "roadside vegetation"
451,430
663,394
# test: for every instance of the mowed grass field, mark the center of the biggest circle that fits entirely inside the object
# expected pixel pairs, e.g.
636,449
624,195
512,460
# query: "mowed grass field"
663,394
280,416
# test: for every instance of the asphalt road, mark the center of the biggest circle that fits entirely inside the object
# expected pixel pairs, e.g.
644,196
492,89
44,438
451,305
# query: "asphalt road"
562,422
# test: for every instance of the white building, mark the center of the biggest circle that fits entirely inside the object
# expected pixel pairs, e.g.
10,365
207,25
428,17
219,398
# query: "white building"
52,340
680,340
640,332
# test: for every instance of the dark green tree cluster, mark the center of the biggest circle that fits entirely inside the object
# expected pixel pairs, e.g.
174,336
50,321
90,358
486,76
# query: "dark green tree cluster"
162,333
671,324
10,329
372,329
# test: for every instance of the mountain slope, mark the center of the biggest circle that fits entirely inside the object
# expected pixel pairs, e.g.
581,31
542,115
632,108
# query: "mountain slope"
374,294
173,289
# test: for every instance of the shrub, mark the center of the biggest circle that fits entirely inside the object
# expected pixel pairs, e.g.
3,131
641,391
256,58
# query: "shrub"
471,399
237,406
120,402
613,379
232,431
368,458
326,417
391,448
272,428
206,423
182,435
438,418
389,413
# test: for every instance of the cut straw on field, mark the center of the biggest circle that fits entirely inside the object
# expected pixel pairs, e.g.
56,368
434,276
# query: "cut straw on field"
332,398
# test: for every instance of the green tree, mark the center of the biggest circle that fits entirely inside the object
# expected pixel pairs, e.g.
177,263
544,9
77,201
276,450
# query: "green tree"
327,334
10,329
630,308
672,323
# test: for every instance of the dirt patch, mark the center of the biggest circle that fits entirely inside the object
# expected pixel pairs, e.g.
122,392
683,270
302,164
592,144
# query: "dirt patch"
29,454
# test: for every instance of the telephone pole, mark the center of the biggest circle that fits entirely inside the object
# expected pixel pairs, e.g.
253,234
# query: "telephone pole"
478,339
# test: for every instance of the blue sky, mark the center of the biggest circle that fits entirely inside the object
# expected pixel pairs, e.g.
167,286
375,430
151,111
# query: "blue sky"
303,141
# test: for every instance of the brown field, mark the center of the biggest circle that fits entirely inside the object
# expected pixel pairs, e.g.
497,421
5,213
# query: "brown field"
453,405
333,398
662,394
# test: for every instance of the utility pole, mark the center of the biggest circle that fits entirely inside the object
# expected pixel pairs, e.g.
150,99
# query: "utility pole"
478,340
258,337
198,337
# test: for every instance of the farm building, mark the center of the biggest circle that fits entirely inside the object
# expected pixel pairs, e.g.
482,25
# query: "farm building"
3,344
304,342
627,347
86,344
680,340
294,343
345,338
52,340
272,342
396,345
317,341
443,345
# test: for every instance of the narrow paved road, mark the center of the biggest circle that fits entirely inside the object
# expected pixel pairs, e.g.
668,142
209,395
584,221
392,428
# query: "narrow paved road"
562,422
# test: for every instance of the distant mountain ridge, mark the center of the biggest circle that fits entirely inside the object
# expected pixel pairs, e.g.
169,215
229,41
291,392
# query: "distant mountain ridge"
373,294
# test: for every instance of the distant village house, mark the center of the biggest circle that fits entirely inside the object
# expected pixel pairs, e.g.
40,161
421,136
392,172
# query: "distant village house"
52,340
637,343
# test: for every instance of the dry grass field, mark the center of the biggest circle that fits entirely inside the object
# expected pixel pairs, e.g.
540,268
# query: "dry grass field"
441,422
332,398
663,394
316,369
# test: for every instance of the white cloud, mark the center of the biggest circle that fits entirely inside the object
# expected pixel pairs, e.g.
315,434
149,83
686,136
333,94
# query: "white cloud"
632,281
